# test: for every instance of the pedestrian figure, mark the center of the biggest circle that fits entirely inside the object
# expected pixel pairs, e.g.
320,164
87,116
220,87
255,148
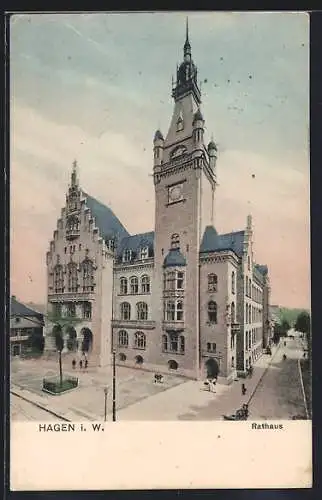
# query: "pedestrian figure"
81,364
74,364
250,371
86,363
244,390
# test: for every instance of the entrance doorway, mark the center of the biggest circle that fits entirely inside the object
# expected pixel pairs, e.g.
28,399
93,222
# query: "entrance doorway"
212,368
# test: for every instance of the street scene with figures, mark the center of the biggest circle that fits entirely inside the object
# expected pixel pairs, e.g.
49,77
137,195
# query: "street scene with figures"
155,219
275,390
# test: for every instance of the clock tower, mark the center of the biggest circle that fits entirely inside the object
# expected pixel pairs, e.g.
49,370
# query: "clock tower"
185,180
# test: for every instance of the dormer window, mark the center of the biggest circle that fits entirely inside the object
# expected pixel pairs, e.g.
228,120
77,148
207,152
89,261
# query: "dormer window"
180,124
144,253
127,255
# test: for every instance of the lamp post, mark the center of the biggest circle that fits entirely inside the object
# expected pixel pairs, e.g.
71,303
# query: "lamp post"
114,412
105,403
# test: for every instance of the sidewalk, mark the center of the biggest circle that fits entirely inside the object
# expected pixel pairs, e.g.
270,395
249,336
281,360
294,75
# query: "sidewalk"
186,401
190,402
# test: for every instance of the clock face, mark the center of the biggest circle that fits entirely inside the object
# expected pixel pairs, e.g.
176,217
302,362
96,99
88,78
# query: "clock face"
175,193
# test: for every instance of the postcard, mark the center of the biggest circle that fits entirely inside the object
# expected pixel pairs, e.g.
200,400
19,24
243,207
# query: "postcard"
160,260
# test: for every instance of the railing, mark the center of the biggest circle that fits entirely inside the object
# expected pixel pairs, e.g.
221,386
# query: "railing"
137,324
72,234
173,325
65,296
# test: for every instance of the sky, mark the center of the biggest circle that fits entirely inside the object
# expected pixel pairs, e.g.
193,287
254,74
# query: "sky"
95,87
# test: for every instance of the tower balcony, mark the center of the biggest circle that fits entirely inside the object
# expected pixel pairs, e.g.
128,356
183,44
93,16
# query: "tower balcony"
173,326
72,234
133,324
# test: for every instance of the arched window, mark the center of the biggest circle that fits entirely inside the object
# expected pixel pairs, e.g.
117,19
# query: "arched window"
175,241
233,282
72,277
246,284
164,343
248,262
249,314
125,311
212,282
123,286
139,340
179,305
88,275
58,279
134,285
232,313
123,338
142,311
145,284
182,343
212,311
72,225
138,360
246,341
250,287
173,310
246,313
172,364
179,124
170,310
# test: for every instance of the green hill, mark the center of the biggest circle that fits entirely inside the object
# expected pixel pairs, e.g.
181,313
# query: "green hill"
289,315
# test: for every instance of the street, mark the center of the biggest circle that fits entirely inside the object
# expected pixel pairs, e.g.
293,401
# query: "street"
21,410
279,394
273,392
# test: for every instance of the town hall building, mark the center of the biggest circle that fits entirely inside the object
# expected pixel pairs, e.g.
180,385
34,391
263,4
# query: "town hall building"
179,299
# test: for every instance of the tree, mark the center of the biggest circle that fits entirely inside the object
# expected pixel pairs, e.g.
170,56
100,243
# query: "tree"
277,333
59,341
285,326
303,325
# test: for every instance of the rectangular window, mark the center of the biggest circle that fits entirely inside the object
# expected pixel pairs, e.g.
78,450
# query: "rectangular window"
179,281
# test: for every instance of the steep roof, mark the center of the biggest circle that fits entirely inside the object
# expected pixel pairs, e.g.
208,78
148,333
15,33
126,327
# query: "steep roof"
174,258
263,269
19,309
213,242
135,243
107,222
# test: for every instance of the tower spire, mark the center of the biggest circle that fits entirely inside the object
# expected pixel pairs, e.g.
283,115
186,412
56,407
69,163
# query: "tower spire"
74,173
187,46
187,30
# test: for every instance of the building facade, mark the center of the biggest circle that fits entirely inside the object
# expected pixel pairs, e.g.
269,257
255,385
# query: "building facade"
181,298
26,328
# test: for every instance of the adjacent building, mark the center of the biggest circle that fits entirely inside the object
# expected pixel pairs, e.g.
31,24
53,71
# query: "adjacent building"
26,328
180,298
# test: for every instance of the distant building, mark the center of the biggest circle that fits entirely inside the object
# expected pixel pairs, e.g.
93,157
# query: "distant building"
181,298
26,324
274,312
